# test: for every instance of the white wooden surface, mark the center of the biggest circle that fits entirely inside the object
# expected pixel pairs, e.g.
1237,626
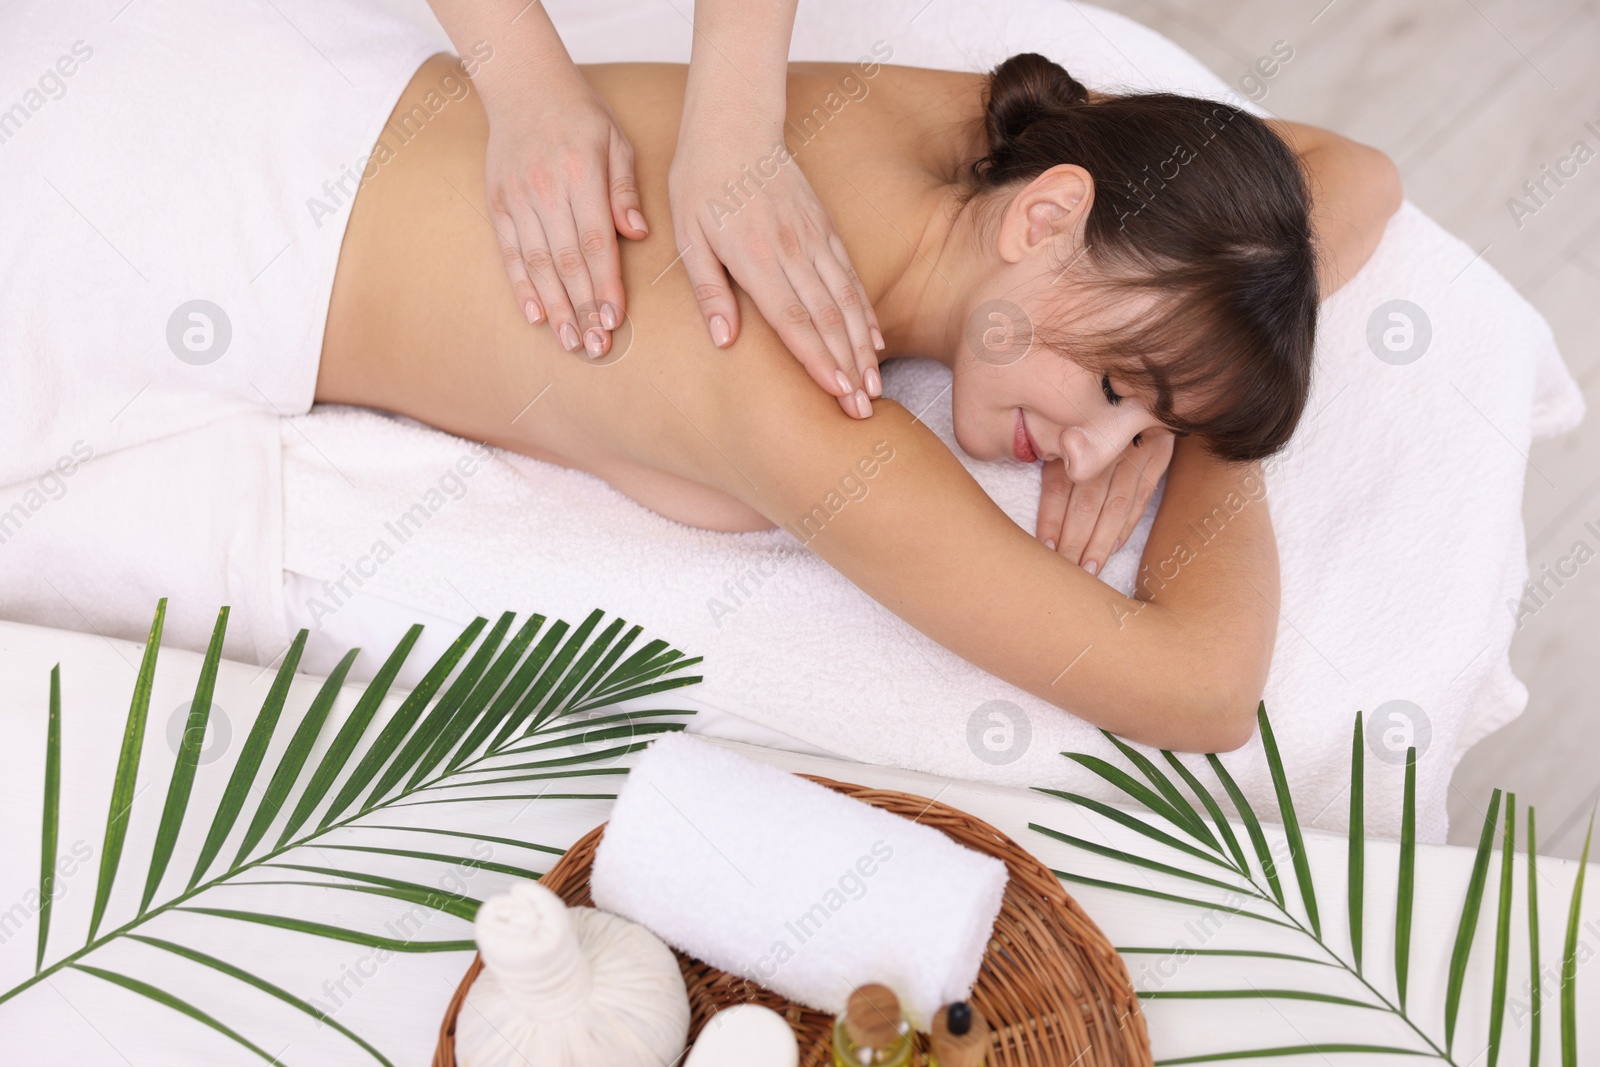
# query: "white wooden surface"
76,1018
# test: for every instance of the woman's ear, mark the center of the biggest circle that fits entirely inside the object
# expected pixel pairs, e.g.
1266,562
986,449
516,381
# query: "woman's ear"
1053,206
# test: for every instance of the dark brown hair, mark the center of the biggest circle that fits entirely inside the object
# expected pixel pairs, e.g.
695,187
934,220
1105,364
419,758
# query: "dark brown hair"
1198,203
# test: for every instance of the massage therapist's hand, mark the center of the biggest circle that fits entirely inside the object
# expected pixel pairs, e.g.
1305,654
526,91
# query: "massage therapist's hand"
1088,521
559,171
779,244
560,187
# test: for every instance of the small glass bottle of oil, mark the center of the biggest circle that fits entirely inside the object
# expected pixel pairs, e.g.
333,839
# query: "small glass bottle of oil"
872,1032
959,1038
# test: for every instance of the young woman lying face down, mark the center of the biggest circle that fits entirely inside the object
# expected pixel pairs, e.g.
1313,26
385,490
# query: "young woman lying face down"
1152,263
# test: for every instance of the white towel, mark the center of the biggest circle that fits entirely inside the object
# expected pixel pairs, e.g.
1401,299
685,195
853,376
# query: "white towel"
171,177
792,885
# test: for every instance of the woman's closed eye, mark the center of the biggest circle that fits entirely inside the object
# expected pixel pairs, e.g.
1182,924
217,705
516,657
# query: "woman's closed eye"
1105,387
1114,398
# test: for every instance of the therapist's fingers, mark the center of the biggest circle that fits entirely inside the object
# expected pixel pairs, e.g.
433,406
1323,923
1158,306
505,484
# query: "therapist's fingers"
851,300
793,316
540,265
627,211
569,258
712,289
597,240
866,363
522,287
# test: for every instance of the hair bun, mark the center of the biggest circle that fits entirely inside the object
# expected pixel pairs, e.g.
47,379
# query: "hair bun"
1020,90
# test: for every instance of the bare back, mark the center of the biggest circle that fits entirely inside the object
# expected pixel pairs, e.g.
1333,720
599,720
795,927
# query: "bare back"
422,321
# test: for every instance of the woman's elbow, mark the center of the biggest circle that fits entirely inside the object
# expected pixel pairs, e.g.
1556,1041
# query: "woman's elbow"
1234,724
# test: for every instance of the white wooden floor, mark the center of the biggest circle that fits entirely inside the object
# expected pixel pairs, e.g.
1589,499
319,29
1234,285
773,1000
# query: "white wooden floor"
1473,98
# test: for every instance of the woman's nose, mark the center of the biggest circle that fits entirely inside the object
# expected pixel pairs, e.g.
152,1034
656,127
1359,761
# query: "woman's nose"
1091,450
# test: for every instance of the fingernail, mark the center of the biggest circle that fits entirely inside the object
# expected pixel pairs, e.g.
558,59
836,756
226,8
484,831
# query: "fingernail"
1091,566
877,339
1116,546
595,342
874,383
863,405
719,330
636,220
531,309
610,317
844,383
1050,544
569,336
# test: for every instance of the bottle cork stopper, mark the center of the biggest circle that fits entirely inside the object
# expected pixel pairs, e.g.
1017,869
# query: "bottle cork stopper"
960,1035
872,1016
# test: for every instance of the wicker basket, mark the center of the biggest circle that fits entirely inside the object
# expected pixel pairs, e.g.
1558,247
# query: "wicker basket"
1051,986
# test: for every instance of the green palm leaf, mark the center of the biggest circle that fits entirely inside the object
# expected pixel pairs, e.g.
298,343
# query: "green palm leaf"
1291,1050
1253,953
1356,880
1254,993
255,750
1213,809
415,747
1467,928
1502,934
389,738
1291,824
1136,824
1156,894
266,987
50,831
294,757
349,735
1159,802
1252,826
334,933
127,772
436,740
1141,861
1407,880
160,997
1179,802
1536,987
182,782
1569,960
1138,792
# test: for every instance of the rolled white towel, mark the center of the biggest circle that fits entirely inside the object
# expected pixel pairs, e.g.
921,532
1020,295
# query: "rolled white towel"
792,885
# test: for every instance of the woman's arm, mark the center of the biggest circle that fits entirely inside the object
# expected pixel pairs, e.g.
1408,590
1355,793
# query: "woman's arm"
1181,665
1354,189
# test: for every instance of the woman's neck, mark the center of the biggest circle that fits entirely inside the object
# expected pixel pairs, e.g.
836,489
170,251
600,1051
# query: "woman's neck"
922,311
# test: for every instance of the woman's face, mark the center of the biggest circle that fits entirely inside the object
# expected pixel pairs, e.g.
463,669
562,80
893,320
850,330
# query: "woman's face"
1013,398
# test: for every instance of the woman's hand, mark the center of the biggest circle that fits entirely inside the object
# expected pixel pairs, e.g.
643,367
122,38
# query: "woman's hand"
560,187
1088,521
778,241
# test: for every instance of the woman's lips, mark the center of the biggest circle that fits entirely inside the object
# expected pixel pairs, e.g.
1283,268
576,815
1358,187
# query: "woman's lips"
1022,443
